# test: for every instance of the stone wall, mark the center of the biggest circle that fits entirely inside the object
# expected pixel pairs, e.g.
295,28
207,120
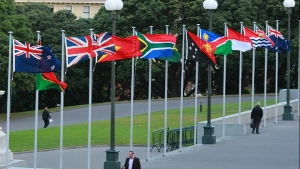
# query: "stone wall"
283,92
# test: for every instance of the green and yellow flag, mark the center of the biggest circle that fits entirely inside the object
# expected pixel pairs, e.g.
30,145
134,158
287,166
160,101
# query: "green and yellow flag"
48,80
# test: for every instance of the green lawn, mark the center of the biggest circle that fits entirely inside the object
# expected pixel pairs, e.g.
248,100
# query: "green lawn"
77,135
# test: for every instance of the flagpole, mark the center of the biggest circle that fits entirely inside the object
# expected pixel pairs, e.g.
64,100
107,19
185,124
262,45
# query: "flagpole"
240,80
149,101
62,97
8,98
132,96
253,69
166,100
299,69
36,126
276,76
265,84
181,88
196,91
36,116
224,83
90,107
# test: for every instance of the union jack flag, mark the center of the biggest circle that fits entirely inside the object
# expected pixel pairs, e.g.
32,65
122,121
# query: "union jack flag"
82,48
275,32
105,42
22,48
33,58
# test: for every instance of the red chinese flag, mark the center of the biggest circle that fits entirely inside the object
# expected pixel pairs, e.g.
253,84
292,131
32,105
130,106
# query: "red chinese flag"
126,48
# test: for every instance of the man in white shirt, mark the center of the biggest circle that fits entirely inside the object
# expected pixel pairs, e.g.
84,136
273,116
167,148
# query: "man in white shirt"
132,162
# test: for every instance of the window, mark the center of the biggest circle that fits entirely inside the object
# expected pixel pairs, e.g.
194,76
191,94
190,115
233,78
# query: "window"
86,12
68,8
51,8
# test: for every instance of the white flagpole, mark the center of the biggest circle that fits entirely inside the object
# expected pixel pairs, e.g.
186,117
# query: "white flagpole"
8,98
132,96
240,80
253,69
36,126
265,86
90,107
36,117
299,70
224,84
166,100
149,101
276,78
181,88
196,92
62,97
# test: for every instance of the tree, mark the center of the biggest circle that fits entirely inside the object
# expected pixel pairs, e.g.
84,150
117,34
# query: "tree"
10,21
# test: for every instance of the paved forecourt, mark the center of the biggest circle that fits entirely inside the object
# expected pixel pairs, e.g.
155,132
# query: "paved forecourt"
276,147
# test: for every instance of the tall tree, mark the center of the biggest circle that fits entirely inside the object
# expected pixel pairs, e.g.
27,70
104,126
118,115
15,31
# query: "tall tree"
11,21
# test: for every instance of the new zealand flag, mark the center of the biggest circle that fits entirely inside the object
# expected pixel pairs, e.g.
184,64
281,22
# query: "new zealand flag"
280,42
32,58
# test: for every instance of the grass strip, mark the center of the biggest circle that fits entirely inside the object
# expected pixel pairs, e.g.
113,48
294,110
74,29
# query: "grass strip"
77,135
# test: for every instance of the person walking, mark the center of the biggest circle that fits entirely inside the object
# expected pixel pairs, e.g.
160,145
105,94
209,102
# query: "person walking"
46,116
256,115
132,162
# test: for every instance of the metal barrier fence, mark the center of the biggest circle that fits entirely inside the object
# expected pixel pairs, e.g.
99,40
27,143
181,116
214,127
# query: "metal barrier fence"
173,136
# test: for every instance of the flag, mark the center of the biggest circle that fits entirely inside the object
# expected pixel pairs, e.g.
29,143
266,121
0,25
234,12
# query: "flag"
199,50
156,45
81,48
126,48
221,43
278,39
32,58
239,41
48,80
175,57
264,35
105,43
258,39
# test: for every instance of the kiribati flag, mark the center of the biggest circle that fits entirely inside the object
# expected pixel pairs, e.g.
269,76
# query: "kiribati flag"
259,39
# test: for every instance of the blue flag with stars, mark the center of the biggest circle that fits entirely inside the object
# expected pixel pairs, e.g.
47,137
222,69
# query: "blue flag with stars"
280,42
32,58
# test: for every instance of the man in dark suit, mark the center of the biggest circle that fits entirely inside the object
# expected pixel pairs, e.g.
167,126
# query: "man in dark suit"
132,162
256,115
46,116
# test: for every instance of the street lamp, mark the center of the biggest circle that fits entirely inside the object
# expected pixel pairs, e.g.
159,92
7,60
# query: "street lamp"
112,155
288,115
209,137
1,92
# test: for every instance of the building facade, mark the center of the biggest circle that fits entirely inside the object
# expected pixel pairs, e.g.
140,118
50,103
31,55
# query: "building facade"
81,8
